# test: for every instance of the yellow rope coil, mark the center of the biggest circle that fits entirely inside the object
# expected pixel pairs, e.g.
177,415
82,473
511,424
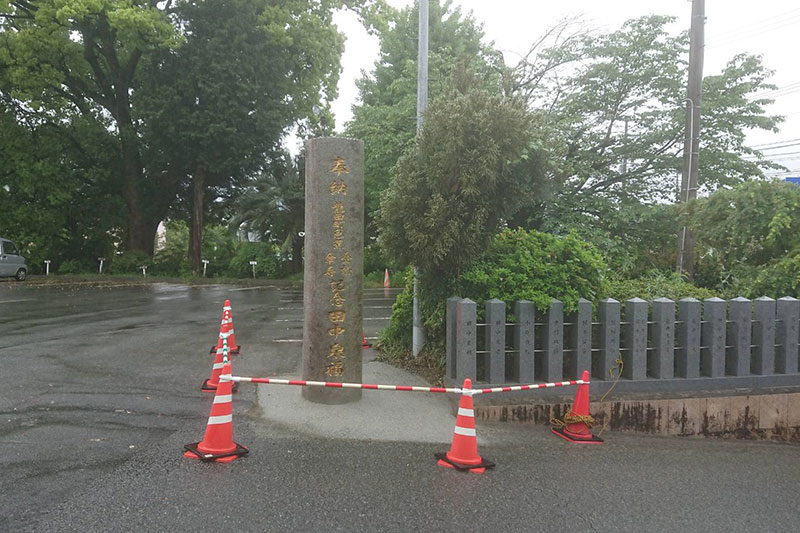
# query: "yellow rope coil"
572,418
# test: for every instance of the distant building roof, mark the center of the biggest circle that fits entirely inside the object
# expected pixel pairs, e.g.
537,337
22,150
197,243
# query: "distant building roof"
796,181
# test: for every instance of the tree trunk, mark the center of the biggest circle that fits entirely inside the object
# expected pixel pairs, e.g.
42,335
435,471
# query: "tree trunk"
297,254
141,231
196,227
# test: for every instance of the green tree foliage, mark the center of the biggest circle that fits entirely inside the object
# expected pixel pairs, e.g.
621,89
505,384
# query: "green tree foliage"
272,209
266,254
656,284
452,191
746,234
57,196
190,93
68,57
634,79
535,266
385,118
214,113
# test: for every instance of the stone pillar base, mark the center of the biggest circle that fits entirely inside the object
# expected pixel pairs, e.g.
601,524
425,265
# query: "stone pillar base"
331,396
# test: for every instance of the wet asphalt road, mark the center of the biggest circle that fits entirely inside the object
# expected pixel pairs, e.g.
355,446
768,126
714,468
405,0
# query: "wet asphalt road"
100,391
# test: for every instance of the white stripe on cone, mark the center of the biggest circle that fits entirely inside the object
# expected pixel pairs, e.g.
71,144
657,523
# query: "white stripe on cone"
217,366
223,398
467,432
466,412
224,419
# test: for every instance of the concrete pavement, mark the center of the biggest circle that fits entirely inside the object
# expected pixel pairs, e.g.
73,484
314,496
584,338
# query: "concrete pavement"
101,391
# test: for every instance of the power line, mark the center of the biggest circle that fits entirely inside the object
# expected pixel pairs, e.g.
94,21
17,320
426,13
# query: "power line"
777,93
766,21
756,31
771,156
777,147
758,146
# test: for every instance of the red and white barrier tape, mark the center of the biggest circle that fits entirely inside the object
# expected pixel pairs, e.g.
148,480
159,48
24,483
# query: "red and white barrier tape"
454,390
532,386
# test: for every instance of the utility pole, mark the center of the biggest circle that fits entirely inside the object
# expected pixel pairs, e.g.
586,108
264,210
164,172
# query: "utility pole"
691,145
418,333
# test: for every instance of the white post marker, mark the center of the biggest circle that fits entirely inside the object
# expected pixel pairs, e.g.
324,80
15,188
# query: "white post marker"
144,270
102,260
253,264
47,267
205,264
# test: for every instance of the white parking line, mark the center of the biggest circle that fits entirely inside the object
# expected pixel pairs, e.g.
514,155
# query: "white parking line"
15,301
250,289
287,340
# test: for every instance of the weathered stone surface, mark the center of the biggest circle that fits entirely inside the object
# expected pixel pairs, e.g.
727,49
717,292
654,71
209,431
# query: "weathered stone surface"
769,416
334,264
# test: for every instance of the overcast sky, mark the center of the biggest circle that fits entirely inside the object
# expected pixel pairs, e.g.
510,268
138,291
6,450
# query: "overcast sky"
766,27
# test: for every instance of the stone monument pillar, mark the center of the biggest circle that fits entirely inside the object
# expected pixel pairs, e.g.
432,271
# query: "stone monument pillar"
333,267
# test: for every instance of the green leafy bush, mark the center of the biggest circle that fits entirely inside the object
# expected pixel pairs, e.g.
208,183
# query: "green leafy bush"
518,265
535,266
780,278
70,266
129,263
267,255
656,285
395,339
747,237
172,259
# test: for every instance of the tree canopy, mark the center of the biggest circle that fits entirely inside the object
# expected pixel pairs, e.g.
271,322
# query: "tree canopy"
188,93
385,117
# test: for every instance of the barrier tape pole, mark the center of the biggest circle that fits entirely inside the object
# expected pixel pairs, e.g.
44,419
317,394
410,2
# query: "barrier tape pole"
531,386
338,385
454,390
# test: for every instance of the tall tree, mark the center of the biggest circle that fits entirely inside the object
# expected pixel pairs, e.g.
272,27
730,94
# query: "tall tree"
214,109
273,207
385,116
87,53
57,187
454,189
617,108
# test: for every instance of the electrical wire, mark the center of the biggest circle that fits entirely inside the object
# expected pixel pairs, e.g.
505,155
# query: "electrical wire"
792,21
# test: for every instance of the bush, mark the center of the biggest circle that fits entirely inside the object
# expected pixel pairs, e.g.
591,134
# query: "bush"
395,339
780,278
656,285
172,258
267,255
129,263
70,266
518,265
535,266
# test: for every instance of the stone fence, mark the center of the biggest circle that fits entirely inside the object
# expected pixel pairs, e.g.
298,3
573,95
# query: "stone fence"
692,346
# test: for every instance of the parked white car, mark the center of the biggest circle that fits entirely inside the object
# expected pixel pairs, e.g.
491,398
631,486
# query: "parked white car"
11,261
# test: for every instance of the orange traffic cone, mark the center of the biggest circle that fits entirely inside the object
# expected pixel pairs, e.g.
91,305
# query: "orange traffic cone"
577,422
217,444
386,283
463,454
211,384
226,331
364,343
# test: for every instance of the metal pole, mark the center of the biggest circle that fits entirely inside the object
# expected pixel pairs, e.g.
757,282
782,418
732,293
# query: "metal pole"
691,147
418,333
685,191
